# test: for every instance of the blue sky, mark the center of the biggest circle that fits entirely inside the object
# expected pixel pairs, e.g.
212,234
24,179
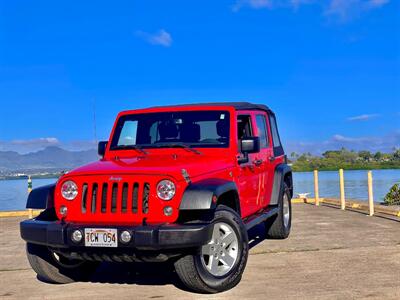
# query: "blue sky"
329,68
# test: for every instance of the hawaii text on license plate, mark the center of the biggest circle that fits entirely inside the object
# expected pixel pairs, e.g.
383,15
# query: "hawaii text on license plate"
101,237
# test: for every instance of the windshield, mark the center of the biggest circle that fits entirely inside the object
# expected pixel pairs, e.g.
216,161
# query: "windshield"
184,128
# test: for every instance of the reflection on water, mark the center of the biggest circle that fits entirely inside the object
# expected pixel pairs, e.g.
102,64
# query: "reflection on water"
13,193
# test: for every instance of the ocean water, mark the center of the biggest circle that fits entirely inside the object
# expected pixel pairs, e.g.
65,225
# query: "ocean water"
13,193
355,183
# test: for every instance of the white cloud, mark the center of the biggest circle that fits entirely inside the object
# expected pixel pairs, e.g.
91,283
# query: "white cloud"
272,4
28,145
377,3
347,9
255,4
39,141
344,139
341,9
298,3
364,117
384,143
161,37
33,145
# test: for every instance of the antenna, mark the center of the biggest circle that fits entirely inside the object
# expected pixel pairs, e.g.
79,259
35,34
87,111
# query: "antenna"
94,120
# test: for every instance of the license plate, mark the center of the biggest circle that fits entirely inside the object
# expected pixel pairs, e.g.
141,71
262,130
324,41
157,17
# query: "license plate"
101,237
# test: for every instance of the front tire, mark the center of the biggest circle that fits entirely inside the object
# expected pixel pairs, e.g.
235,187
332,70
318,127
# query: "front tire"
55,268
219,265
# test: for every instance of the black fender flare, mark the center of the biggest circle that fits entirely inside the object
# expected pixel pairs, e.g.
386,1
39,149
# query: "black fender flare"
200,195
281,171
41,197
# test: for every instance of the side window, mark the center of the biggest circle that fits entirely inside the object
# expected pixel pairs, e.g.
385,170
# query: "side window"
278,149
262,131
244,126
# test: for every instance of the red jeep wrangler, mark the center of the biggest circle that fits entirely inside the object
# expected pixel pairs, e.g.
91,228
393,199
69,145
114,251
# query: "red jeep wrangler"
181,182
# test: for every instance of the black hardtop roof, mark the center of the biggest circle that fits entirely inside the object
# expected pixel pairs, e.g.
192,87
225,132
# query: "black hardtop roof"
236,105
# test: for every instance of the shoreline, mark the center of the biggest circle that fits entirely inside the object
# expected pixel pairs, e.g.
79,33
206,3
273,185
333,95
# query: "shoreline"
25,177
57,175
344,169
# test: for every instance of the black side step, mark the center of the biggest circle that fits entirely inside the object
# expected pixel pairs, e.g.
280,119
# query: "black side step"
261,217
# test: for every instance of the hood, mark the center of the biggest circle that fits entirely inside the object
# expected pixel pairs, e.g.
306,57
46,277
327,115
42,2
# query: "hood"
170,165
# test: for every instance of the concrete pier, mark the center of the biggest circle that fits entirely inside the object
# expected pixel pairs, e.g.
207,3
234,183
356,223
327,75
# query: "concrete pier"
330,254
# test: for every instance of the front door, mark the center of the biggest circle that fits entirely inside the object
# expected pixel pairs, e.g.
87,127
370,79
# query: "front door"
248,180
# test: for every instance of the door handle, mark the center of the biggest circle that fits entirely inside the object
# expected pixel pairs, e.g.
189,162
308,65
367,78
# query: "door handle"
271,158
258,162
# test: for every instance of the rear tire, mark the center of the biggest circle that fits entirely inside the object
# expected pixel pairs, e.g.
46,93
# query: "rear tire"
219,265
278,227
55,268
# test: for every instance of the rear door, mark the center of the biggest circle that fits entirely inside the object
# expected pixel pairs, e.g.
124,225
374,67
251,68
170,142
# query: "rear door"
263,158
277,155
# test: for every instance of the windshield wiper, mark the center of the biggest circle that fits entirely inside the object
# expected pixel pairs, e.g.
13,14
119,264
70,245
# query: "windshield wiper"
131,147
177,145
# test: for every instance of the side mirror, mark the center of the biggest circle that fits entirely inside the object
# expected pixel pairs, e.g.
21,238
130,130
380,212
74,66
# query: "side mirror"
101,148
248,145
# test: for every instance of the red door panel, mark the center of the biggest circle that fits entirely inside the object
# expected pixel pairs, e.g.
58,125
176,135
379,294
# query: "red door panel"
264,156
249,173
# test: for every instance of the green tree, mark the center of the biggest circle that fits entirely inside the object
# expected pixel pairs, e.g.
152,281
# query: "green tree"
396,154
336,159
365,155
378,156
393,197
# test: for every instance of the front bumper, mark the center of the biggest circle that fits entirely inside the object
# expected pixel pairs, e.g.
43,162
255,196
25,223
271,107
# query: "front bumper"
150,237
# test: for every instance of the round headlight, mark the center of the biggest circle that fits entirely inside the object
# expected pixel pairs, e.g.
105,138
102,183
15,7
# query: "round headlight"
165,189
69,190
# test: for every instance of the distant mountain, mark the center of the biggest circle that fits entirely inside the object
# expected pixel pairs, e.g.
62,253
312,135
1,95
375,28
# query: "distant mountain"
49,158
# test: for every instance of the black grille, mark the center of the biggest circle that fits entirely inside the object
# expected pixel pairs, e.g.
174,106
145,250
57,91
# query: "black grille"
135,195
84,197
96,196
114,195
145,198
124,197
104,198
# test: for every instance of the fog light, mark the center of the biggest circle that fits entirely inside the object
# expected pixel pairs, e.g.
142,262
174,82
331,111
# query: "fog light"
77,236
168,211
126,236
63,210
